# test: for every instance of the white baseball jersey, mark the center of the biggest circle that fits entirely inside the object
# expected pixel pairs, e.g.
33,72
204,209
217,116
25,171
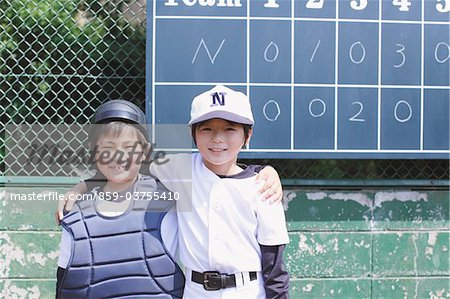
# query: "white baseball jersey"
221,221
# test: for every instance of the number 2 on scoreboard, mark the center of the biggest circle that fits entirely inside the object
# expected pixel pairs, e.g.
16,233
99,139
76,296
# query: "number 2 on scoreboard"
314,4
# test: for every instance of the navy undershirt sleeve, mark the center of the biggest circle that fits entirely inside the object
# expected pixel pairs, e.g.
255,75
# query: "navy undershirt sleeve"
275,276
254,168
59,278
98,180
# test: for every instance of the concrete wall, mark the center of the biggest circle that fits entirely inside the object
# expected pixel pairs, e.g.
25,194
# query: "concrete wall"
344,244
369,244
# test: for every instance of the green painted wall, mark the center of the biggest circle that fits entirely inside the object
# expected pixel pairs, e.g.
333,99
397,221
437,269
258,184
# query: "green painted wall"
373,243
369,244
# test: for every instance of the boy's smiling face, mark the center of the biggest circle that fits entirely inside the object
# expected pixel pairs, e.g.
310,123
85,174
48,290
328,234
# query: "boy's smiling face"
119,158
219,142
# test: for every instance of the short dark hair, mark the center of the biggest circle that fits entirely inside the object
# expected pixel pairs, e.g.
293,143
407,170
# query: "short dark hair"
244,126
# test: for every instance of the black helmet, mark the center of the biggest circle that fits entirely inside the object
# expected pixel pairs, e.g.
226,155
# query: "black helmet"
121,110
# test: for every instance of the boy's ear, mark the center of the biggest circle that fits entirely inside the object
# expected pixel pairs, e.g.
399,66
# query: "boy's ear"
192,130
250,132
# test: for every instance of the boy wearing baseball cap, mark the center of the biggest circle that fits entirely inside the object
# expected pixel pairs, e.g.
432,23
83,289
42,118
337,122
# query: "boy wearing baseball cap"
232,242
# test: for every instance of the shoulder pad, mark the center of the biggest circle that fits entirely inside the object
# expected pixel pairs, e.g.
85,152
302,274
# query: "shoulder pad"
145,184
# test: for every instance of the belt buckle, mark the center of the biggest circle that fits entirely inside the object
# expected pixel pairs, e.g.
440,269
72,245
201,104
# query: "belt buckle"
207,275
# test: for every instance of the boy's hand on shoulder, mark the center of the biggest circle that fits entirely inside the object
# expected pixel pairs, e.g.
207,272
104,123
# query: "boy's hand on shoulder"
66,204
271,189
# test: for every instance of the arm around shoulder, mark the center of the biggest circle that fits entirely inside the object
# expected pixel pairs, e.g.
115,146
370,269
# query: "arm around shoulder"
275,276
273,237
66,204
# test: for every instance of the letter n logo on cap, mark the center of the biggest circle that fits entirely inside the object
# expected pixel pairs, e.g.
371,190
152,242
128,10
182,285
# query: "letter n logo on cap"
218,98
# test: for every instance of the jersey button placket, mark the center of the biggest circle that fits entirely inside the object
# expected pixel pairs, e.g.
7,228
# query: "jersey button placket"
214,227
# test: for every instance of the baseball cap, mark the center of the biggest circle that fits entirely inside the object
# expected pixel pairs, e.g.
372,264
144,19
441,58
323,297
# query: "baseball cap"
222,102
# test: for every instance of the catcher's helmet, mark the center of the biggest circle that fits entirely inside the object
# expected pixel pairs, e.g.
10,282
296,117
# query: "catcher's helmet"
121,110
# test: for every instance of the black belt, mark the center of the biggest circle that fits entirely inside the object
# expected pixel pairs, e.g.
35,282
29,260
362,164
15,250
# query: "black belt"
213,280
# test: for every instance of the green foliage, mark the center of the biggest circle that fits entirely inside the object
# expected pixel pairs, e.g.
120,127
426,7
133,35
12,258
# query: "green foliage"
68,37
59,59
45,45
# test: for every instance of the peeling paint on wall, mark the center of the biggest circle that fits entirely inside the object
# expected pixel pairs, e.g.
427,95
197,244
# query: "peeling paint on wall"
360,198
10,252
432,237
37,257
336,245
381,197
17,255
362,244
441,294
308,288
302,246
287,197
53,255
12,291
364,200
316,195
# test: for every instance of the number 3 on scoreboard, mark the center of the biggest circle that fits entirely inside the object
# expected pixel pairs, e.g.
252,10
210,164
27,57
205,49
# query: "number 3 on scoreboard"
443,6
358,5
403,4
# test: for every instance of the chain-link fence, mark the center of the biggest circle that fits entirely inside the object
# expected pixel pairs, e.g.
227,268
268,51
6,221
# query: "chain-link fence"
360,169
60,59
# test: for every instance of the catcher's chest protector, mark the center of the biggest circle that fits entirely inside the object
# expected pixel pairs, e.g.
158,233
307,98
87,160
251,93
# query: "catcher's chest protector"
119,257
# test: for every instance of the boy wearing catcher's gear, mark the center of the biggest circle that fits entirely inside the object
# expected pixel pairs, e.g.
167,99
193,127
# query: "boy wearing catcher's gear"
118,242
232,242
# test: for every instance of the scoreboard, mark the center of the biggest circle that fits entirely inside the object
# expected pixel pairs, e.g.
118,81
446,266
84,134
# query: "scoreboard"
326,79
